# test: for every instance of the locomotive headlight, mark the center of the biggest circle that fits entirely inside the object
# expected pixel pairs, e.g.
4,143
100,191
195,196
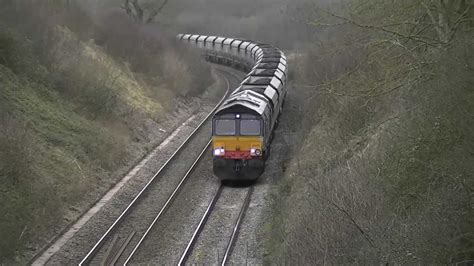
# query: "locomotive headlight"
255,152
219,152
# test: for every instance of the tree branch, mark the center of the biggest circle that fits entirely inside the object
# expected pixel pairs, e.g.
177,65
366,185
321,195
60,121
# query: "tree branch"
353,221
138,10
435,22
128,9
155,12
381,28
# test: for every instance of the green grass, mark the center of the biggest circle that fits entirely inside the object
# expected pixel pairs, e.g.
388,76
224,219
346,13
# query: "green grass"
57,150
74,116
50,155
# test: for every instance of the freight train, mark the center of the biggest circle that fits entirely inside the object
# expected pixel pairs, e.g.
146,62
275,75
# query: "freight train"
243,126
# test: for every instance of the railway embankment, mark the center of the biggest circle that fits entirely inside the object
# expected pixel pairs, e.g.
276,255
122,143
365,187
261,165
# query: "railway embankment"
76,114
382,169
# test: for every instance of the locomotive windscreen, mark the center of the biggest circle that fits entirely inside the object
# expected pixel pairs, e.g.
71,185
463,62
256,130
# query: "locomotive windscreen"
224,127
250,127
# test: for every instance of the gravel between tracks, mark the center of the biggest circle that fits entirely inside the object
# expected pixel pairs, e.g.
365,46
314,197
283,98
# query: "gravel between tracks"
145,210
169,238
212,242
73,251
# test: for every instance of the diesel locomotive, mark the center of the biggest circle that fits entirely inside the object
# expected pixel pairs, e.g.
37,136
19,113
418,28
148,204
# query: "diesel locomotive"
242,127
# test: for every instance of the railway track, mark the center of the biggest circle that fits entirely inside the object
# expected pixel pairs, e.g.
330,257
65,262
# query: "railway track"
126,234
219,203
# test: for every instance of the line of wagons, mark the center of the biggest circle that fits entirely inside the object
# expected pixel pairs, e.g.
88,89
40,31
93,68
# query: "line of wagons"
242,127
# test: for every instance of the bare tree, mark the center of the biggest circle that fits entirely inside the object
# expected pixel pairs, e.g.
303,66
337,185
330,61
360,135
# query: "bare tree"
143,11
447,16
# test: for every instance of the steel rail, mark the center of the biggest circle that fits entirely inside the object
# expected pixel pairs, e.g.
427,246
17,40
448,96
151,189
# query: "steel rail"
235,232
168,202
243,209
110,250
102,239
197,232
122,248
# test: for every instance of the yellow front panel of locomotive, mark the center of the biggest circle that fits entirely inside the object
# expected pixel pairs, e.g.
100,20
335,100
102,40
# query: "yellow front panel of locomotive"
237,143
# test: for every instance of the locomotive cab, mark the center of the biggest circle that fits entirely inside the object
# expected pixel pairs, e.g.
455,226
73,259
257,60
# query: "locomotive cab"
238,146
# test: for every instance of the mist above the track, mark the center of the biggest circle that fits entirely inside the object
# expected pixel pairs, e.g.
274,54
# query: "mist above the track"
264,20
270,21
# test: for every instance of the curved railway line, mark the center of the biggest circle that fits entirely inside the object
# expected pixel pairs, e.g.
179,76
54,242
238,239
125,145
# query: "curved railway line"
207,214
119,243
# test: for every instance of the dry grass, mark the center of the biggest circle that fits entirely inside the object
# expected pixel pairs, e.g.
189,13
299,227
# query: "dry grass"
73,117
383,175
